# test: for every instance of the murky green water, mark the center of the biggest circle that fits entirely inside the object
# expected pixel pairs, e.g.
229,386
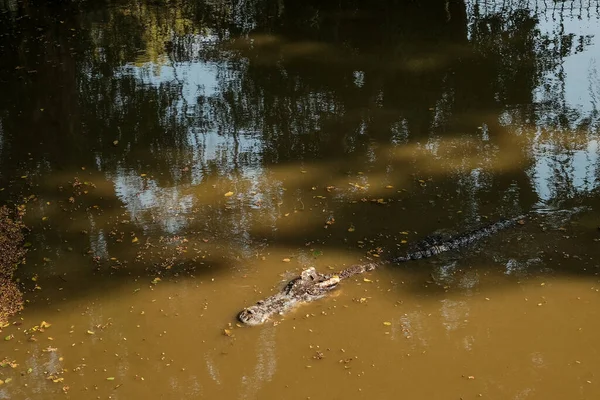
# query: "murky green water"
182,160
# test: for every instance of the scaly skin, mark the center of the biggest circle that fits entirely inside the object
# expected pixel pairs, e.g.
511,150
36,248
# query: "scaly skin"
311,285
456,242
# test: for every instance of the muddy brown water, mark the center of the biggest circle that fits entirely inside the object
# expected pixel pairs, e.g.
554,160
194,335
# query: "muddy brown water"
180,162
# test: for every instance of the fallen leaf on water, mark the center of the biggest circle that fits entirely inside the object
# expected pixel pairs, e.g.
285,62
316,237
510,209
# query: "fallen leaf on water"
9,337
228,194
403,241
367,280
8,380
387,323
156,280
286,260
134,240
91,332
404,233
351,229
44,218
110,378
389,187
227,332
143,175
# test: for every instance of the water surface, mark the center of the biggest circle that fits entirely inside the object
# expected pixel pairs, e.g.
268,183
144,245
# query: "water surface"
180,161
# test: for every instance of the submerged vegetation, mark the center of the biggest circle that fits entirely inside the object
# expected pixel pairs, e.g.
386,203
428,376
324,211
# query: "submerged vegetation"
11,254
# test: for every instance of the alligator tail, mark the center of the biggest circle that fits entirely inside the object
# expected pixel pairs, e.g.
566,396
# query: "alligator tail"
459,241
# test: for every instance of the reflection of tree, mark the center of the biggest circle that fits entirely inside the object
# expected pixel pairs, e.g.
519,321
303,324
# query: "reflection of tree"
295,82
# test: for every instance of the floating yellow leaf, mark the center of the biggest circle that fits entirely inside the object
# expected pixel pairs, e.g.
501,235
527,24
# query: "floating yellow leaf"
134,240
44,218
389,187
351,229
403,241
367,280
44,325
228,194
110,378
227,332
286,260
115,142
91,332
404,233
155,280
387,323
143,175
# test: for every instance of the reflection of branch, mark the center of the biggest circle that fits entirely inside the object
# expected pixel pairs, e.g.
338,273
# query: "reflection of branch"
184,106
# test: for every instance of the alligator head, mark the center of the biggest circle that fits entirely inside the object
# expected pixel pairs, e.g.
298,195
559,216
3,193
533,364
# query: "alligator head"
309,286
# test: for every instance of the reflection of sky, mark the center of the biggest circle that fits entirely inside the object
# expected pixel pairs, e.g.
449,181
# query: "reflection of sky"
582,85
581,91
575,83
197,78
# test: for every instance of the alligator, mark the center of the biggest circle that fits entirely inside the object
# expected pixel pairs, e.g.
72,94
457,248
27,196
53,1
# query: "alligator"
312,285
